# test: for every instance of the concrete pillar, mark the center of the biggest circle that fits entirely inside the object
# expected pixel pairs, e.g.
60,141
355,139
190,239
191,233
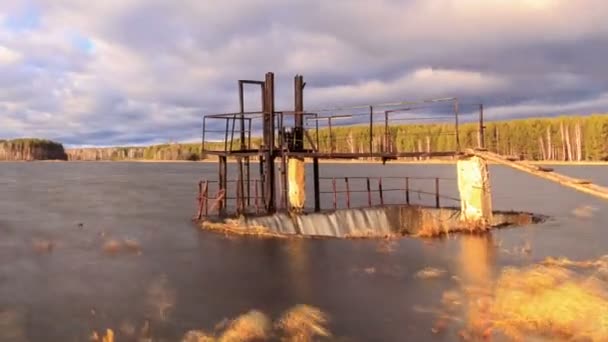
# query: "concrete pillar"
474,189
296,176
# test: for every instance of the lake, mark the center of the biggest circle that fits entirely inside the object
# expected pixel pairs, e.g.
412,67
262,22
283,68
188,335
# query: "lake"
178,277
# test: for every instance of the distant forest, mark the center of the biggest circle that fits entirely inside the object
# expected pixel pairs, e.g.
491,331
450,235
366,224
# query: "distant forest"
565,138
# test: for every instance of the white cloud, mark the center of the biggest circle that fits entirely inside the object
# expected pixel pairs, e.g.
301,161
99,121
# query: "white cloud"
157,65
8,56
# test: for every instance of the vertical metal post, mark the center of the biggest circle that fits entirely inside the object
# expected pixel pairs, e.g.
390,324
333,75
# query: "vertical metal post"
347,192
369,193
248,164
407,190
482,128
262,180
371,131
269,141
333,185
331,137
226,135
437,204
206,197
199,213
315,175
386,137
256,201
223,182
317,130
456,109
299,109
380,191
203,138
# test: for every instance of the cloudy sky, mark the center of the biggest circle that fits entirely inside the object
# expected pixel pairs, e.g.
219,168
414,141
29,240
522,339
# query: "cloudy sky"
121,72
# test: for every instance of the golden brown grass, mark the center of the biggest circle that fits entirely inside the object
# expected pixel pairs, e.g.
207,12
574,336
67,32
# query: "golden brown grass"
108,337
434,230
298,324
43,246
234,227
585,211
558,299
303,323
118,246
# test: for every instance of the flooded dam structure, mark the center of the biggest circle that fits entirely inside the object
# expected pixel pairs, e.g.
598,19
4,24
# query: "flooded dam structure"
288,147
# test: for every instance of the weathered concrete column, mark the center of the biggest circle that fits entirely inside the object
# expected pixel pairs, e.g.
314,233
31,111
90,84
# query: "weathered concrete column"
474,189
297,183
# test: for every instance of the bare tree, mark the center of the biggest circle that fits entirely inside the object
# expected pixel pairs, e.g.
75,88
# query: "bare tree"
549,144
541,147
350,141
568,144
578,141
563,136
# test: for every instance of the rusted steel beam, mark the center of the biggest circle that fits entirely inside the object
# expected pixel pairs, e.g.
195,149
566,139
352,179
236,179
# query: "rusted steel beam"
371,131
299,109
333,184
220,202
380,191
407,190
206,198
437,204
199,213
347,192
348,155
456,110
269,142
317,190
482,128
369,193
256,200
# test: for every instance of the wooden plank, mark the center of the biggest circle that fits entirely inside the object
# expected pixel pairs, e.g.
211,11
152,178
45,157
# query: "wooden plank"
571,182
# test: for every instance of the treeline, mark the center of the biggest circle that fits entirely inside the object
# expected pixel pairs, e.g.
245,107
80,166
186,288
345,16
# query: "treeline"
565,138
31,149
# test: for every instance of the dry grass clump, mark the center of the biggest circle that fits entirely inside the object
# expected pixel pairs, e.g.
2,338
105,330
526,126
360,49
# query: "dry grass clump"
108,337
235,227
435,230
300,323
117,246
430,273
303,323
585,211
43,246
549,300
252,326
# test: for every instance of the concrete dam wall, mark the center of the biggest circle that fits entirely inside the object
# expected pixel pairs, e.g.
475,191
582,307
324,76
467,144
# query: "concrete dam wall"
377,222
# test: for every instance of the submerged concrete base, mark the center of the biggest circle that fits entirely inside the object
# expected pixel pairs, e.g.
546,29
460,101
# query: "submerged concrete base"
387,221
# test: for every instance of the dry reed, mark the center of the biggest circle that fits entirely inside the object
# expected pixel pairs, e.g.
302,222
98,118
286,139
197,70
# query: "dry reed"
549,300
298,324
430,273
117,246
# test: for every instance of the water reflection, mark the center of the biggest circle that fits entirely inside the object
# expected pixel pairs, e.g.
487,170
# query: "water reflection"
476,257
298,268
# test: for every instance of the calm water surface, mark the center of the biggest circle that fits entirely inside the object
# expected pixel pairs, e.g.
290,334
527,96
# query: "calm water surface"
185,278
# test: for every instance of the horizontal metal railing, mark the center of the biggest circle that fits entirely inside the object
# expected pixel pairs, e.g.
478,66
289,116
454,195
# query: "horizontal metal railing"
215,199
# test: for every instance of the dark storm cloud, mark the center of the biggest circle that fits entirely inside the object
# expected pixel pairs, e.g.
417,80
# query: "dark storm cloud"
122,72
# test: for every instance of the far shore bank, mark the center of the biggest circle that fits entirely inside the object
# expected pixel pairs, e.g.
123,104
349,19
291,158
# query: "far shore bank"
323,161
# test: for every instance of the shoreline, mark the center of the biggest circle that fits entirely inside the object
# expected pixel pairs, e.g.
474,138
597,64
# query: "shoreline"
322,161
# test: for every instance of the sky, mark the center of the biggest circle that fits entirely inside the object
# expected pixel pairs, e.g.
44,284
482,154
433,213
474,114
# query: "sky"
133,72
